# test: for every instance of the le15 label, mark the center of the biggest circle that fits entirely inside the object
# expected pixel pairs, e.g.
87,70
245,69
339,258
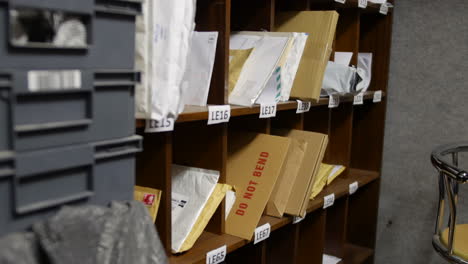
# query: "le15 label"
377,97
334,101
216,256
358,99
362,3
218,114
164,125
353,187
267,110
303,107
383,9
328,200
262,233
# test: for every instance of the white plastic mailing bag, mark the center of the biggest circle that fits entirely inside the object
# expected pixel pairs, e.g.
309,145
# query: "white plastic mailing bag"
289,69
364,71
339,79
197,77
191,189
168,31
268,48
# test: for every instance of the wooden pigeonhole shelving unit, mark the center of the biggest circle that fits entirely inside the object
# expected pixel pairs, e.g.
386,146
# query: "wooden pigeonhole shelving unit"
348,228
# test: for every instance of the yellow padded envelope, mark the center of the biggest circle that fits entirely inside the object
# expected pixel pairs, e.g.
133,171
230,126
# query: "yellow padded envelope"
211,205
150,198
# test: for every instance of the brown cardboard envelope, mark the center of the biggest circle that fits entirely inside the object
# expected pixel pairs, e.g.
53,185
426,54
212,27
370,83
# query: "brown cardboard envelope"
302,189
253,166
321,26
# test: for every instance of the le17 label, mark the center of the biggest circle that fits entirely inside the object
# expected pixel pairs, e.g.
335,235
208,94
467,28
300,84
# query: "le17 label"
358,99
334,101
262,233
216,256
377,97
362,4
218,114
353,187
328,200
268,110
163,125
303,106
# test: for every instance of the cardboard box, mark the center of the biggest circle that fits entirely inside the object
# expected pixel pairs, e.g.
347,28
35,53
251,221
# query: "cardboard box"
321,26
285,183
253,166
313,156
150,198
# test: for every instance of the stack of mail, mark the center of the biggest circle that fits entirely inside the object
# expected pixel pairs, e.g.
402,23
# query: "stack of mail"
196,194
325,176
263,66
163,40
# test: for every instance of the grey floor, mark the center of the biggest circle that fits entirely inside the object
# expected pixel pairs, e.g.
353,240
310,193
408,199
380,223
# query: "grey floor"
427,106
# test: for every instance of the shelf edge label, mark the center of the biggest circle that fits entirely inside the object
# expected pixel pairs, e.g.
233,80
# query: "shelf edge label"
262,232
353,187
268,110
328,200
303,106
216,256
156,126
218,114
377,97
358,99
334,101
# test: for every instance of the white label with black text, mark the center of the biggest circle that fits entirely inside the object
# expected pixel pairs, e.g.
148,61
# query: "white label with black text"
358,99
334,101
362,3
303,107
353,187
217,255
54,80
218,114
383,9
164,125
267,110
262,233
340,1
377,97
328,200
297,219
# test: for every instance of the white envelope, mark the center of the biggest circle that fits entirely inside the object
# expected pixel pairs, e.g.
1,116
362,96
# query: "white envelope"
191,189
289,69
197,77
339,79
262,62
343,58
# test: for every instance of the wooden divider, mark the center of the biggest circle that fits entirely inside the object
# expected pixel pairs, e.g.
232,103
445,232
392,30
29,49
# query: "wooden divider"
348,228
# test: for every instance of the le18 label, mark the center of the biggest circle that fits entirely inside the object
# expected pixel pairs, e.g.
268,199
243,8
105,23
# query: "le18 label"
328,200
262,233
164,125
216,256
267,110
334,101
353,187
358,99
218,114
303,107
383,9
362,3
377,97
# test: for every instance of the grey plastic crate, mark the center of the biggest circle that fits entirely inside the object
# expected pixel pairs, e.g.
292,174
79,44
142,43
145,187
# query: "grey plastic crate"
102,109
110,33
33,185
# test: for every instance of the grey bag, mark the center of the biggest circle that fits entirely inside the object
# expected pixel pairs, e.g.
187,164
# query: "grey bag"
20,248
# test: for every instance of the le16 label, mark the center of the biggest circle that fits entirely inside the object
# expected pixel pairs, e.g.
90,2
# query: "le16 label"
218,114
268,110
262,233
164,125
303,106
216,256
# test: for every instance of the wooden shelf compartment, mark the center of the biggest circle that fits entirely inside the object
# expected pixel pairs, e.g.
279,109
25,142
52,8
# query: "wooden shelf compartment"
209,241
355,254
199,113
